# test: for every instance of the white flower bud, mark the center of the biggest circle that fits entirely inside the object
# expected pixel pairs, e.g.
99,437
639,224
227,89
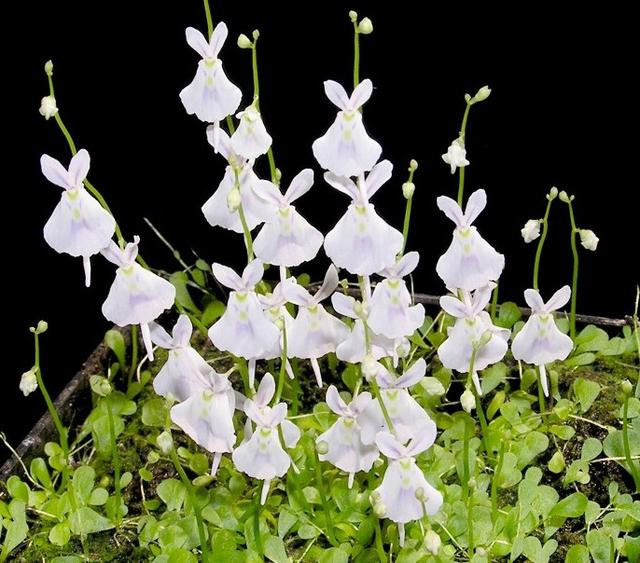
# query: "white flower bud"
40,328
244,42
379,509
28,382
481,552
48,107
407,189
467,98
322,447
419,493
413,165
234,200
353,16
481,95
369,367
531,230
165,442
48,68
588,239
255,34
432,542
100,385
278,175
553,193
472,483
467,400
359,309
433,386
365,26
378,463
374,497
564,197
627,387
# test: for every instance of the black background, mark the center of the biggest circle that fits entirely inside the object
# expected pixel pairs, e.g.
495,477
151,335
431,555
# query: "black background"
561,113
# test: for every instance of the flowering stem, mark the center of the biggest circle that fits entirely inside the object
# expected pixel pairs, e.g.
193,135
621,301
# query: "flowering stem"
115,459
407,212
627,448
382,556
256,524
207,13
543,237
494,484
356,54
636,333
494,302
463,132
134,353
323,498
574,281
481,417
385,413
189,487
466,474
254,67
541,401
283,364
247,234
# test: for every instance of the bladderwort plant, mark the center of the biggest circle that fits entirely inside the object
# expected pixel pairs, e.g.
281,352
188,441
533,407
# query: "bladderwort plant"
221,444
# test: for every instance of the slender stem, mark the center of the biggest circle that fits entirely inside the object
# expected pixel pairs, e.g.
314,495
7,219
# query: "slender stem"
256,81
407,213
134,354
470,525
272,166
463,132
116,460
283,364
541,401
382,556
247,234
627,448
356,54
574,281
207,13
323,498
494,302
241,365
385,413
189,487
543,237
494,485
636,333
256,523
483,422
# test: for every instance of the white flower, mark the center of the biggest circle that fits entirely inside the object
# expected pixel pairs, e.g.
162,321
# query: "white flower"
408,417
346,149
314,332
287,239
211,96
404,491
164,442
473,329
345,449
261,454
588,239
540,342
468,400
456,155
250,138
217,209
137,295
207,416
48,107
184,372
470,261
361,241
531,230
390,311
243,329
78,226
28,382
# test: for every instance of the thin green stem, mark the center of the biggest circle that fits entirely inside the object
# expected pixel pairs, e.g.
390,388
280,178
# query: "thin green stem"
543,238
407,213
636,333
189,487
323,498
134,354
356,54
116,461
247,234
494,485
207,13
256,523
470,526
541,401
627,448
272,166
574,280
466,476
463,132
230,125
283,365
385,413
483,422
256,81
494,303
382,556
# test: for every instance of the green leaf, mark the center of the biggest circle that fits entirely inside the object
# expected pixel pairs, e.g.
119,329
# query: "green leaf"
172,493
591,449
274,550
213,311
335,555
556,463
85,520
183,298
67,559
583,359
366,531
17,528
570,507
286,521
599,546
98,497
312,495
40,472
493,376
533,445
125,479
351,376
60,534
145,474
614,446
586,392
508,315
591,339
18,489
115,341
154,412
578,471
577,554
615,347
307,532
563,431
83,481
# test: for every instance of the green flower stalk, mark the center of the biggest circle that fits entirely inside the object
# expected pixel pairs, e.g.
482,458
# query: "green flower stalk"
408,189
531,231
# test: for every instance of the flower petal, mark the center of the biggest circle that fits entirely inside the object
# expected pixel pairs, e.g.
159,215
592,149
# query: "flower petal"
197,41
337,94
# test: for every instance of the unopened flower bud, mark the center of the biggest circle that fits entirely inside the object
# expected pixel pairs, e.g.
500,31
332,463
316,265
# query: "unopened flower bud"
28,382
433,386
432,542
588,239
467,98
234,200
40,328
553,193
358,309
322,447
48,68
407,189
419,492
481,552
379,509
369,367
48,107
564,197
353,15
481,95
378,463
100,385
165,442
484,338
365,26
244,42
279,322
467,400
375,497
255,34
531,230
627,388
472,483
413,165
278,175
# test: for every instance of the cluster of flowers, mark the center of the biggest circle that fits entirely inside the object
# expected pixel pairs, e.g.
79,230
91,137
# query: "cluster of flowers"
257,326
